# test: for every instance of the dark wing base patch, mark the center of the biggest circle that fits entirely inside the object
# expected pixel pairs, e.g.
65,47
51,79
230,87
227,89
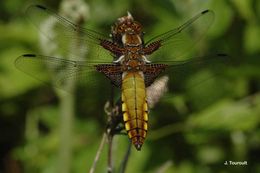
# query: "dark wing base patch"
152,71
112,71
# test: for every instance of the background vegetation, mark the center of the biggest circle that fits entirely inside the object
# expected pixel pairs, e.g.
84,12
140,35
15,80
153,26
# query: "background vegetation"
192,131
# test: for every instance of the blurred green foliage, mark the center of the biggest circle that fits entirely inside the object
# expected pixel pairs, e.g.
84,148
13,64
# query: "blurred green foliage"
192,131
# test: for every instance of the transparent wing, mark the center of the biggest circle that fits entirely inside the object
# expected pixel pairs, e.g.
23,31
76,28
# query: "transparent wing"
180,72
178,42
62,73
64,33
192,74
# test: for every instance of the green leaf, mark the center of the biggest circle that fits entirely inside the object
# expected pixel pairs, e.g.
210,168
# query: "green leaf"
227,115
251,37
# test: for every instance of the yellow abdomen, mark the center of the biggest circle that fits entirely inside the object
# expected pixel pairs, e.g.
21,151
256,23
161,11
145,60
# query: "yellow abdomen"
134,107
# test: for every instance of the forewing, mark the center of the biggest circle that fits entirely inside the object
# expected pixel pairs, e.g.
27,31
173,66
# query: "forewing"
65,35
62,73
178,42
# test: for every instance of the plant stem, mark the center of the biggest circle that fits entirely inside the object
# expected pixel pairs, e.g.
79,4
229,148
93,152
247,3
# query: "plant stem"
110,132
110,154
126,158
101,146
66,125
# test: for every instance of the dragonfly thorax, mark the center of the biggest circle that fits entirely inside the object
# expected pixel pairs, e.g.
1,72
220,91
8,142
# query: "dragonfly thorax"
133,64
131,39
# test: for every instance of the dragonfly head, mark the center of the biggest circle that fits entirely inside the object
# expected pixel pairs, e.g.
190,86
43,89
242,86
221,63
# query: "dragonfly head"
126,25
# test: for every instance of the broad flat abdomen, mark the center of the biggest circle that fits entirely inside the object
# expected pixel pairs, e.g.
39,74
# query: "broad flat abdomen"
134,107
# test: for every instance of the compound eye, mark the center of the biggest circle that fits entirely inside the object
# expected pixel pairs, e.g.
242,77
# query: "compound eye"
137,27
123,27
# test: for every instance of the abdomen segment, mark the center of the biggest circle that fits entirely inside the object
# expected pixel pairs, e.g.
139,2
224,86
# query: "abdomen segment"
134,107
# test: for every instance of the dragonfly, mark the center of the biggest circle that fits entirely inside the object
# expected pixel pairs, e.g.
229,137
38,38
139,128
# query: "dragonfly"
124,57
